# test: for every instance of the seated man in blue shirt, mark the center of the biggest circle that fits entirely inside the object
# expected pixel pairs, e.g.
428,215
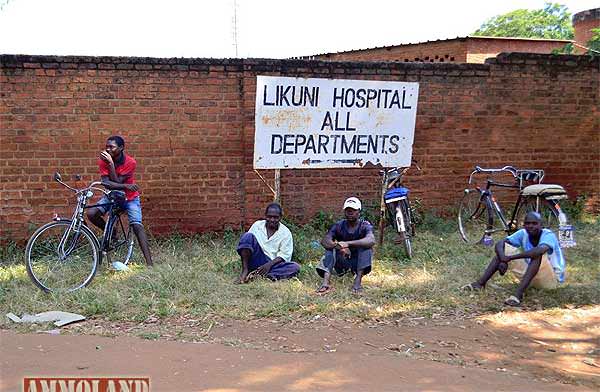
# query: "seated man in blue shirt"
532,254
348,246
266,249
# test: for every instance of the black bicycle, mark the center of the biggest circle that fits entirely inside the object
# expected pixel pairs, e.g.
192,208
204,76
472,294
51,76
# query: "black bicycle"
479,208
63,255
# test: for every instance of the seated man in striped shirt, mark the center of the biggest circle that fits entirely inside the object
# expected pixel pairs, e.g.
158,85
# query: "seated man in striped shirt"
266,249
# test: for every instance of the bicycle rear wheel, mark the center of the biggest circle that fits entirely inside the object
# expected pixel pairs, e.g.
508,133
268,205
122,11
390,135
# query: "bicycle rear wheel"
546,209
474,216
121,242
66,269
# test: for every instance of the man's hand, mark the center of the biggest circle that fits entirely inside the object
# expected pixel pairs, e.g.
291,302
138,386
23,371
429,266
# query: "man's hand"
344,249
264,269
131,187
106,157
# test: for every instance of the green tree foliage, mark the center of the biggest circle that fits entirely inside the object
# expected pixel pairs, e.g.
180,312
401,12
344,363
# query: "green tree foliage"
553,21
594,44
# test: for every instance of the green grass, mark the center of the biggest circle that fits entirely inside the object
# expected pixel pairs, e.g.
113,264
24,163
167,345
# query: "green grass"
194,276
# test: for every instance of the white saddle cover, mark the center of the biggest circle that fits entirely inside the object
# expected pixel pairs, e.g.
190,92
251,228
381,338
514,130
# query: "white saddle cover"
543,189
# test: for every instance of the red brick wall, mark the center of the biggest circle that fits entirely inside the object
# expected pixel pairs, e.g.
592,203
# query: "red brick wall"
190,125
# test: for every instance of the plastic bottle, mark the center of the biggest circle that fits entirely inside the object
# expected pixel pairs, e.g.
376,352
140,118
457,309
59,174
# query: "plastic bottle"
562,218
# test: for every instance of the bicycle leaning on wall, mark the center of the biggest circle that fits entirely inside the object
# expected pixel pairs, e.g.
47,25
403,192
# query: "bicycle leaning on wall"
397,204
480,215
63,255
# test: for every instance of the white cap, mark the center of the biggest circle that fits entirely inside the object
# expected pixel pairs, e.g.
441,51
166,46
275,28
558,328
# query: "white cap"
352,202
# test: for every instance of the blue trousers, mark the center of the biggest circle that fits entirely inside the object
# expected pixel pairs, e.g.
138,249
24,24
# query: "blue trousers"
282,270
360,259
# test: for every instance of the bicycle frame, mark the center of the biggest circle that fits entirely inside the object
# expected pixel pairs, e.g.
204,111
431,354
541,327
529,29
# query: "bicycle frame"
77,219
487,195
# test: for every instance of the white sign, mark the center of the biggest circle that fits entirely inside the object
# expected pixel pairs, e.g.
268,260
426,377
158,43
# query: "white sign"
322,123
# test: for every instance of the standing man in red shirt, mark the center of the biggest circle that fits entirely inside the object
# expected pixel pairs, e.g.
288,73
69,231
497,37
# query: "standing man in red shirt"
117,172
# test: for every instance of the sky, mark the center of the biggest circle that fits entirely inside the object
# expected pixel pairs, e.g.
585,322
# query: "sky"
264,28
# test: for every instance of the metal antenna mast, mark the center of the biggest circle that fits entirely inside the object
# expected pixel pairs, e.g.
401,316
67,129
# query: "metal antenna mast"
235,35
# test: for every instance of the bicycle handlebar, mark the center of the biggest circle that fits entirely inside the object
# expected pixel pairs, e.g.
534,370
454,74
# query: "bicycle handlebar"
92,185
505,169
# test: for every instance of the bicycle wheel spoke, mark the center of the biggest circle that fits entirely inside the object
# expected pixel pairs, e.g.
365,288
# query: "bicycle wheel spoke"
55,272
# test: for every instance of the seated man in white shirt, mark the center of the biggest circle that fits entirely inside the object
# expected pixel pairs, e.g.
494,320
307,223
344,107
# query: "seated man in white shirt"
266,249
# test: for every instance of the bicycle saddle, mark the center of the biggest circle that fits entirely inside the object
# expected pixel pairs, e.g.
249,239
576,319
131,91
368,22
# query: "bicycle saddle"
543,189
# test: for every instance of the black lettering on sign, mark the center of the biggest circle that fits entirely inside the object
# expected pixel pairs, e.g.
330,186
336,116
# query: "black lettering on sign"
394,139
279,140
404,99
361,144
265,98
310,145
300,141
323,141
348,147
288,143
337,97
327,122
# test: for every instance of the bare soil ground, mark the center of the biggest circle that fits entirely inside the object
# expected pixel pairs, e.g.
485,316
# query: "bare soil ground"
511,350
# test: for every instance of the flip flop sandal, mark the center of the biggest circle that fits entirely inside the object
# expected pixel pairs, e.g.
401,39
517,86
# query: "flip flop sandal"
357,292
252,275
470,287
324,290
512,301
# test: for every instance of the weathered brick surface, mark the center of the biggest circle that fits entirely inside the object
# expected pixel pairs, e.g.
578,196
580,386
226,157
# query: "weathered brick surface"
469,49
190,125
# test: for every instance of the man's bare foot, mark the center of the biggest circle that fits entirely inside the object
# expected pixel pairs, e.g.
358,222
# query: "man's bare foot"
243,278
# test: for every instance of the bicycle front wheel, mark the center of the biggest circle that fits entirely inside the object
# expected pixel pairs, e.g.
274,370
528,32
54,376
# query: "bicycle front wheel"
61,268
474,216
405,236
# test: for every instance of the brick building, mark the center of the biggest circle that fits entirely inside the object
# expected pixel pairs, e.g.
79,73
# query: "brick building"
583,23
469,49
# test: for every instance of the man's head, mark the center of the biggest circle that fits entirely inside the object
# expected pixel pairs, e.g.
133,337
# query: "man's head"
273,214
352,208
115,146
533,223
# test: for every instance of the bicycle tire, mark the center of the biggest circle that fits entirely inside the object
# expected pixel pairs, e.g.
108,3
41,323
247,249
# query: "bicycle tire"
407,234
474,216
53,273
121,242
546,209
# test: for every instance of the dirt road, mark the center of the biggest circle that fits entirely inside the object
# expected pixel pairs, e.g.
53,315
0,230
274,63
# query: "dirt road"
175,366
502,352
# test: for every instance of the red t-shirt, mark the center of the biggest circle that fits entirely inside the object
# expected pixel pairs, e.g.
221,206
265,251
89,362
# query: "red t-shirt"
126,169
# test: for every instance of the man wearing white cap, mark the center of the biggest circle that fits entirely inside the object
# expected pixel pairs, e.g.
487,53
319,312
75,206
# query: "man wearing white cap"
348,246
